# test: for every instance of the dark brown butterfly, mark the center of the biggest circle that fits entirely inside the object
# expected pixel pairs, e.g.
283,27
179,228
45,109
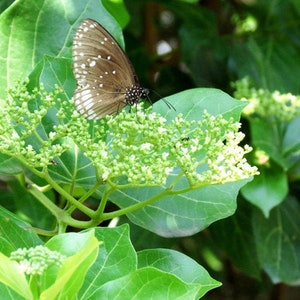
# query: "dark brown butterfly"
106,79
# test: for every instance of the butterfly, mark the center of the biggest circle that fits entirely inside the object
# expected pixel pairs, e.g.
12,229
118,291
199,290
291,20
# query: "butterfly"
106,79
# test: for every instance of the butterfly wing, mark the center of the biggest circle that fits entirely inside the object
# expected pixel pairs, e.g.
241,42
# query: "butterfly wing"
102,70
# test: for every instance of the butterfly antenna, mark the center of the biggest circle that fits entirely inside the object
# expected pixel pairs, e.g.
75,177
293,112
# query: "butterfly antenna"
170,106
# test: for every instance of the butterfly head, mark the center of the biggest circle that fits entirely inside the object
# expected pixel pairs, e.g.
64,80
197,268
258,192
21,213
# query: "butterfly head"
133,94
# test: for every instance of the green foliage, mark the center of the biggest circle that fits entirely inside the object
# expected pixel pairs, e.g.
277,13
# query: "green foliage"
96,259
167,173
277,155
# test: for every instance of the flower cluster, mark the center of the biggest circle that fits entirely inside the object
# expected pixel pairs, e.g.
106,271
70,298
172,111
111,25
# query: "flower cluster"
212,153
35,260
266,104
138,147
143,148
22,132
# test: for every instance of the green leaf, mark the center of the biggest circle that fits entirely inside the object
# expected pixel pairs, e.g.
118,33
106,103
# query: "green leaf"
72,272
206,67
235,237
39,217
5,4
73,166
11,276
9,165
192,103
17,232
51,71
278,242
147,283
268,189
145,239
118,10
9,294
270,60
280,141
30,30
291,142
116,258
182,266
180,215
116,271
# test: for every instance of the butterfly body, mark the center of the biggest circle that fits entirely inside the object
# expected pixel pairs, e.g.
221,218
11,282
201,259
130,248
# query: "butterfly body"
106,79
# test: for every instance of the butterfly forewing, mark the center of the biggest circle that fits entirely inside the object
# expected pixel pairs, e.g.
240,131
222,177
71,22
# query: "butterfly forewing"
106,80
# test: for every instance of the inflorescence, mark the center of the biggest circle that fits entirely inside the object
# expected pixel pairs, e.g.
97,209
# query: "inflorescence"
266,104
138,147
36,260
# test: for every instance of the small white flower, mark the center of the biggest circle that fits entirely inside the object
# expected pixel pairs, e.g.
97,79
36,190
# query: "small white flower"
146,146
52,134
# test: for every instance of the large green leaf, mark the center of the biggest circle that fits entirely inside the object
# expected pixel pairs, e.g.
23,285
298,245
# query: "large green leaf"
192,103
235,237
180,265
278,242
180,215
120,272
116,258
147,283
271,185
32,29
72,273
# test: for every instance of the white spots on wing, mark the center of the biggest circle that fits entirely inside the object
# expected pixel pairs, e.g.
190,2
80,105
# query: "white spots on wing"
114,72
101,85
105,39
92,63
82,66
108,57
